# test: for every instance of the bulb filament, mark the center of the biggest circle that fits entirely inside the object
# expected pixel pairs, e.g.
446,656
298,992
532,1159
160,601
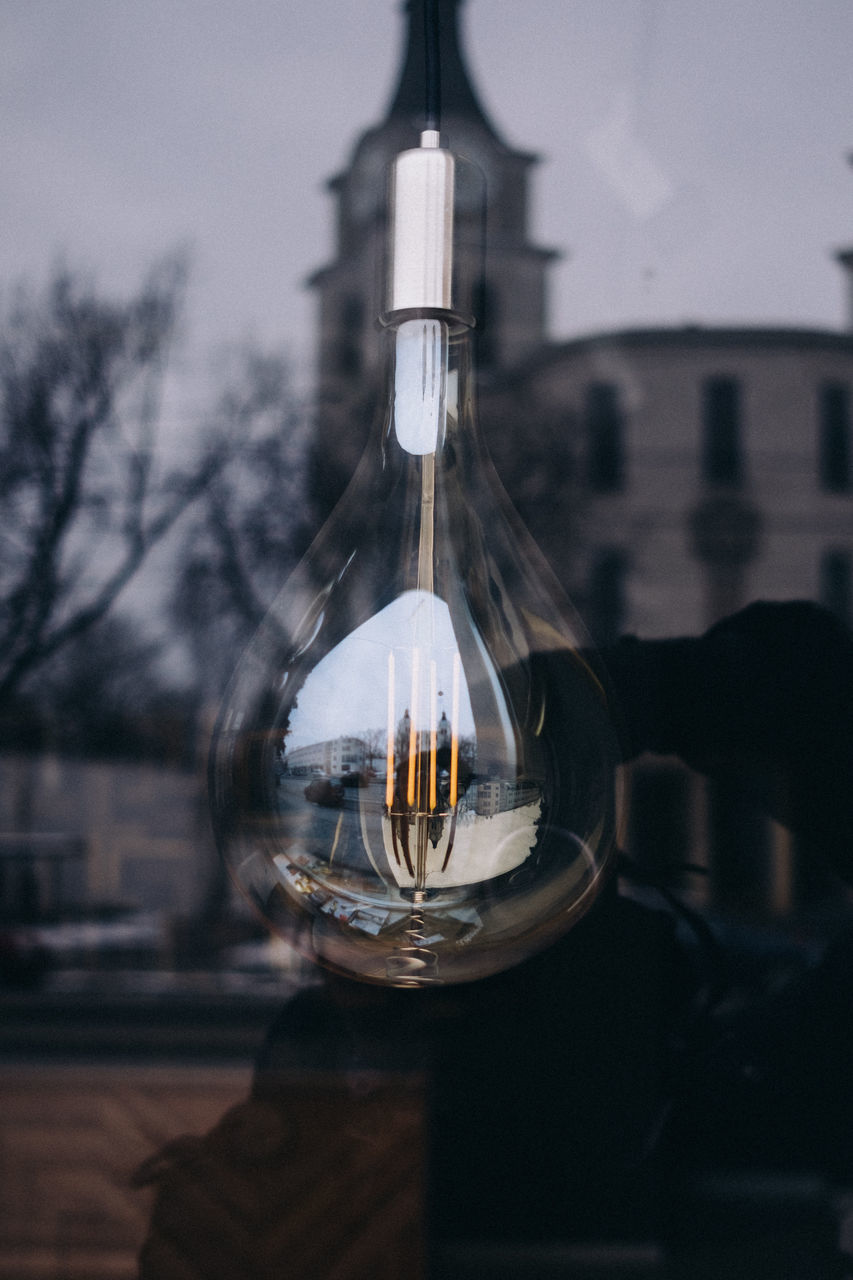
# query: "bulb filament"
419,795
422,763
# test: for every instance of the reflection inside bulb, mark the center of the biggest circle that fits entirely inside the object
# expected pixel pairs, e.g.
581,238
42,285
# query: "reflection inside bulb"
398,820
433,812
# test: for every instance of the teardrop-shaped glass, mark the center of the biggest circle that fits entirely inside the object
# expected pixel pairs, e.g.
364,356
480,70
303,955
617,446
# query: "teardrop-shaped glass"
413,776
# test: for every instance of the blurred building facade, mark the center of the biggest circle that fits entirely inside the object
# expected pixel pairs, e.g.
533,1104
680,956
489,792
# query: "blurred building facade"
670,475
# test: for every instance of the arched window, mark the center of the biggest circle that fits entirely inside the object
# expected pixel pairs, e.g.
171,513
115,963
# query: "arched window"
605,442
834,470
722,450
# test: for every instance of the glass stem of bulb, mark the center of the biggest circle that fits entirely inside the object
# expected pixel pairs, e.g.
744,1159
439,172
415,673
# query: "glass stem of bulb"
420,423
419,617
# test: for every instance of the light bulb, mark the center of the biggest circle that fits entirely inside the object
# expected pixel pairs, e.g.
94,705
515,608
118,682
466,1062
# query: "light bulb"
414,772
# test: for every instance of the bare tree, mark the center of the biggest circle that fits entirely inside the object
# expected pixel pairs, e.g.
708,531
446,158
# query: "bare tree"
253,523
107,695
83,495
375,744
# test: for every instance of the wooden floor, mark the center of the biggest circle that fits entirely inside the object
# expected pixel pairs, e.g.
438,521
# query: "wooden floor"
333,1191
70,1140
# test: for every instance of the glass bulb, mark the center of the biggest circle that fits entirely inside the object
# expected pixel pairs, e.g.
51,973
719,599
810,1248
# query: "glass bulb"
414,772
413,776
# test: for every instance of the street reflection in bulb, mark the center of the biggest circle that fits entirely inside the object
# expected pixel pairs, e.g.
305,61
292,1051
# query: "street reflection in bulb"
417,802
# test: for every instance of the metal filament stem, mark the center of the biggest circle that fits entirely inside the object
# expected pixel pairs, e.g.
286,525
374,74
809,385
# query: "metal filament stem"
413,964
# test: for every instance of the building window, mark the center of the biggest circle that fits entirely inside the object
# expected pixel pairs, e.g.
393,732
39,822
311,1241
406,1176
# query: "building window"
487,315
740,850
722,456
605,443
659,839
606,595
834,438
836,581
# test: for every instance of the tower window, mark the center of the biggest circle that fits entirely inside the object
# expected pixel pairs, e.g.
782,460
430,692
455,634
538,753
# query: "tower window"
605,443
834,438
836,584
722,455
352,323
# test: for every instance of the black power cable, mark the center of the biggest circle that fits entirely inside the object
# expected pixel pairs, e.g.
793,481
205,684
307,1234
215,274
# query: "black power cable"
432,56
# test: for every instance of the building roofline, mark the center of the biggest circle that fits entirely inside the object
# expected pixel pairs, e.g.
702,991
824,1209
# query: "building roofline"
694,336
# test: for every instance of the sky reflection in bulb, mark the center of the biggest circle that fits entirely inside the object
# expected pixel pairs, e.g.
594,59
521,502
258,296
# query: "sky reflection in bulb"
340,695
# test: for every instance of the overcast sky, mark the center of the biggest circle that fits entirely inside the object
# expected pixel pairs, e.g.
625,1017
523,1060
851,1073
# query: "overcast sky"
693,153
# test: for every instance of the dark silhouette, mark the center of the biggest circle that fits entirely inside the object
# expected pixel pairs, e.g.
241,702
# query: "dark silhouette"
585,1094
83,498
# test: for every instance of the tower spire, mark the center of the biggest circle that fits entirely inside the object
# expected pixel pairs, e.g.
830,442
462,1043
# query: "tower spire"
844,258
458,99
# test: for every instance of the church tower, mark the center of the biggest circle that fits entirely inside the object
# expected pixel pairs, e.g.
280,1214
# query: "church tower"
512,294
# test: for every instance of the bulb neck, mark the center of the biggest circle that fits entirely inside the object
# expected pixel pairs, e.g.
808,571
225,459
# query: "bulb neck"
436,213
457,321
430,385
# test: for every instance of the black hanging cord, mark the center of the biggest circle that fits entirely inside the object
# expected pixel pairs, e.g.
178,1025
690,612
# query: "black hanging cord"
432,103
